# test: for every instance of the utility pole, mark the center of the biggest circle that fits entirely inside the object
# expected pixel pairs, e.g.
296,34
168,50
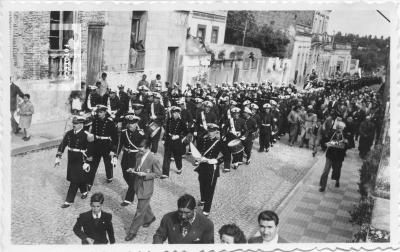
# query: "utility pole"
244,32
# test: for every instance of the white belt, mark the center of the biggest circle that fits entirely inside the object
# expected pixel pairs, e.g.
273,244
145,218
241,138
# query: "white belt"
77,150
103,138
130,150
267,125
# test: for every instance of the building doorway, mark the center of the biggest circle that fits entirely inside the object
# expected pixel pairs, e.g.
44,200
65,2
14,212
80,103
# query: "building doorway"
172,64
94,53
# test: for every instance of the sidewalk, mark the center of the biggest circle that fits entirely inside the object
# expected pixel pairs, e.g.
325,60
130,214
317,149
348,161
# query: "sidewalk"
43,135
308,215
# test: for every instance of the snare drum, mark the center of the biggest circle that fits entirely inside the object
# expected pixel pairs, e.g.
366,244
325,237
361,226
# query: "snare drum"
235,146
153,129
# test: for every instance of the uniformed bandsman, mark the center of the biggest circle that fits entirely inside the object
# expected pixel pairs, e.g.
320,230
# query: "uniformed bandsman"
238,131
76,141
208,168
130,139
175,131
156,114
105,144
266,124
93,99
251,129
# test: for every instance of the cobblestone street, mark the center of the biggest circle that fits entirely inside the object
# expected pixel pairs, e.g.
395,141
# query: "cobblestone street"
38,190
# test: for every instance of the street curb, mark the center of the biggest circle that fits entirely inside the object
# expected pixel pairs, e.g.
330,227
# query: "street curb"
300,183
35,147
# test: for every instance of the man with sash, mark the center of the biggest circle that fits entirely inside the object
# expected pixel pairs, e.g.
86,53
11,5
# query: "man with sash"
130,139
208,168
238,131
205,116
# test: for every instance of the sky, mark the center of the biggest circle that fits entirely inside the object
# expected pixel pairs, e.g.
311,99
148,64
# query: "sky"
362,22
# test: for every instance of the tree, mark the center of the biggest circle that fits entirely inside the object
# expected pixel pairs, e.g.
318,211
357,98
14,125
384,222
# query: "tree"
271,43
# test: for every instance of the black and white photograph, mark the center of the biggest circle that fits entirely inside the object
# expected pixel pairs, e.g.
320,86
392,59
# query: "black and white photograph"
199,126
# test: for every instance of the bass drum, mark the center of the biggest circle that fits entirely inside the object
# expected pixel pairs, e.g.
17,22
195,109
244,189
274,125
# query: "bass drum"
153,129
235,146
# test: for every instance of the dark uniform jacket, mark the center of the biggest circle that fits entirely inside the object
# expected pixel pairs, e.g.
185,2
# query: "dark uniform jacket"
129,142
175,127
210,117
87,227
205,169
159,112
201,230
104,128
95,99
251,127
75,172
123,102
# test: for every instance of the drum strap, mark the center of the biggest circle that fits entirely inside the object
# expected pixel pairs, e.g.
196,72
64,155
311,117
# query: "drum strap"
203,118
129,140
205,153
152,109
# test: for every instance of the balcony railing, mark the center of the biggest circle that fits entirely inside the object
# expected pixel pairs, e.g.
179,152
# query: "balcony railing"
61,64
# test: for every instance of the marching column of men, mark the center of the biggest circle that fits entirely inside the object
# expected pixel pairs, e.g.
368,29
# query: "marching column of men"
219,126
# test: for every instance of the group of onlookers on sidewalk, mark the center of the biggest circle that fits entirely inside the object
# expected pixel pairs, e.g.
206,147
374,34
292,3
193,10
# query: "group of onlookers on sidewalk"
183,226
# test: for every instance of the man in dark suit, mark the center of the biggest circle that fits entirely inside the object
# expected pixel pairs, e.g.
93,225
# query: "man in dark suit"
268,222
92,226
185,226
147,168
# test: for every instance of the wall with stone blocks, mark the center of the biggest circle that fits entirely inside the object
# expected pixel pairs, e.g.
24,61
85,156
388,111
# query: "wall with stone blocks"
30,44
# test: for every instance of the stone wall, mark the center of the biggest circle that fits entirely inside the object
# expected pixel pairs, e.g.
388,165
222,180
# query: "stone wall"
30,44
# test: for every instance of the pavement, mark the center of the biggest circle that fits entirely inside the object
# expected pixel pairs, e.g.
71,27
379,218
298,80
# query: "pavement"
39,189
44,135
308,215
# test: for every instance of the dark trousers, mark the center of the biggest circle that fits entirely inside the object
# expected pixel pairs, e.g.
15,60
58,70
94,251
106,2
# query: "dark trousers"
95,164
73,189
238,157
129,161
173,148
336,166
129,179
248,145
207,188
226,155
265,138
154,142
143,215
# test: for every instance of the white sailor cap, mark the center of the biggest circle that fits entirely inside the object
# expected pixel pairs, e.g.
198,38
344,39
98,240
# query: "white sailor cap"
208,104
247,110
246,102
267,105
235,110
253,106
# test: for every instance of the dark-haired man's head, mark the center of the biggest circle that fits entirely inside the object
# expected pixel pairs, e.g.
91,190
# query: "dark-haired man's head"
230,233
268,223
96,202
186,206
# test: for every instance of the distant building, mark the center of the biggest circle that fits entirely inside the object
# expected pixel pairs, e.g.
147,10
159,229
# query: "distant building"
297,25
209,26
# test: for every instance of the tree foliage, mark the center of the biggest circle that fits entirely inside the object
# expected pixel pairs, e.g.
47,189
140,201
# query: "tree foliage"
271,43
373,52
